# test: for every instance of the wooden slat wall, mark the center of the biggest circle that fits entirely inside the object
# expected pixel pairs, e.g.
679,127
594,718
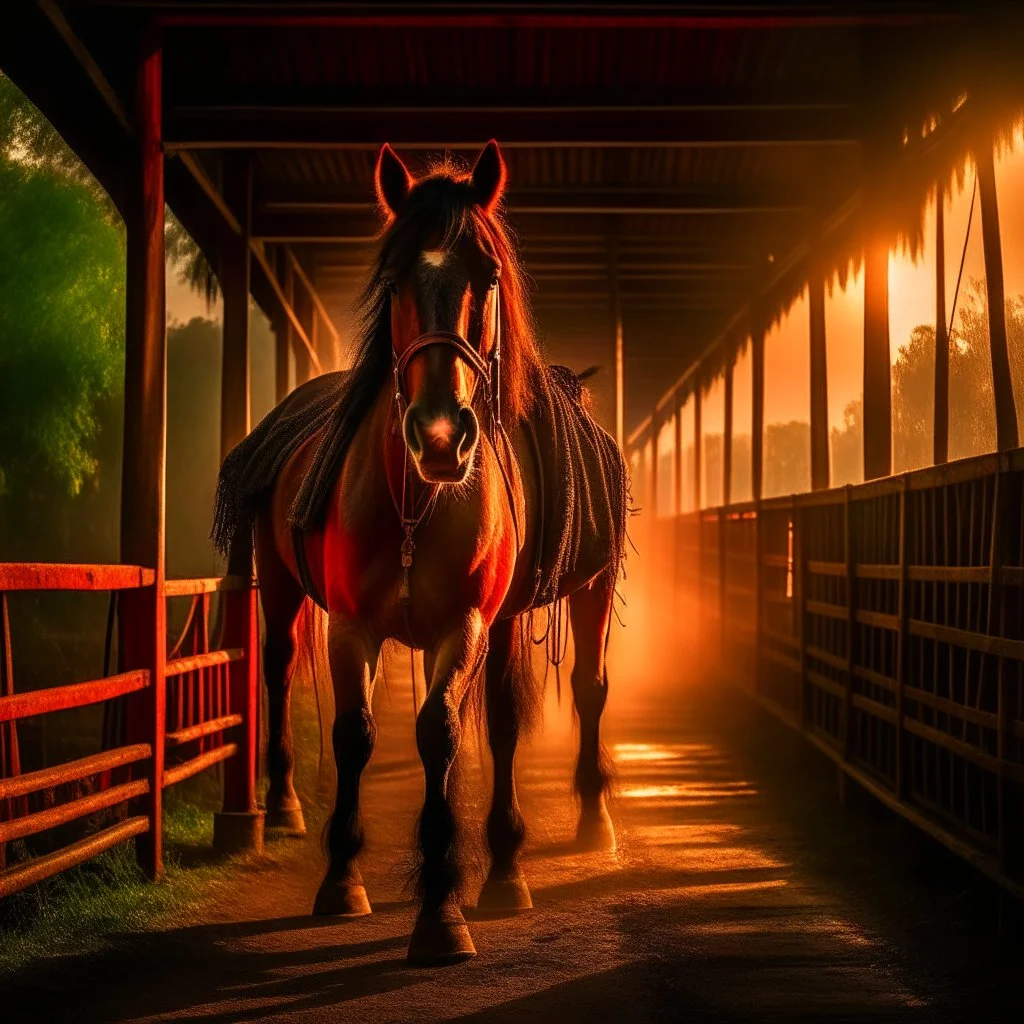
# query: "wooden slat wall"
884,623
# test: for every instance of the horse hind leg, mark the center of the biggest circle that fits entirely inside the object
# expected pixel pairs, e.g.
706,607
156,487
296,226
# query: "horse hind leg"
282,600
590,612
510,695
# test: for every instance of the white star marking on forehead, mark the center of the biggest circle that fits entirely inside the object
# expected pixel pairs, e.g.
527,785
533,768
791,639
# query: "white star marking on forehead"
435,257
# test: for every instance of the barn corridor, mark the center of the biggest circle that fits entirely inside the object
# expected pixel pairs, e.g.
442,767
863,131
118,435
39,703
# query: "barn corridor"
773,254
739,891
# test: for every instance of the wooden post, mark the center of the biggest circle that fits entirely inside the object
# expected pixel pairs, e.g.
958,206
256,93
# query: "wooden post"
235,284
1009,793
851,624
877,385
756,485
727,437
940,437
239,826
698,441
10,760
302,303
282,329
799,519
903,647
654,467
677,455
1002,383
819,378
757,412
142,630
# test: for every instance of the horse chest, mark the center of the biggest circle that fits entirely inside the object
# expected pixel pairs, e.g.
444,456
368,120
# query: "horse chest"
459,561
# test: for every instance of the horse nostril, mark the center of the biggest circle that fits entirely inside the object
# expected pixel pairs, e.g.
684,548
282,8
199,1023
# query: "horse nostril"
411,430
468,433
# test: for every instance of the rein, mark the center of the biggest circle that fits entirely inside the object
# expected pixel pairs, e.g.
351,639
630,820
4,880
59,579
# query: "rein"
488,372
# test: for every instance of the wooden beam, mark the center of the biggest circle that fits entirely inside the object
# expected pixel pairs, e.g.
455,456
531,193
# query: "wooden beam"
259,252
877,418
598,267
767,17
194,166
656,202
1002,382
89,65
142,634
318,305
281,340
366,128
303,307
819,377
236,286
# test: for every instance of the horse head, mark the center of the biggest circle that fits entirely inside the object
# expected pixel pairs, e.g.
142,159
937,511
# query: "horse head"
443,272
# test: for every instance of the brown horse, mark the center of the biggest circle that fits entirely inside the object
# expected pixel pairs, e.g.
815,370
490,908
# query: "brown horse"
429,535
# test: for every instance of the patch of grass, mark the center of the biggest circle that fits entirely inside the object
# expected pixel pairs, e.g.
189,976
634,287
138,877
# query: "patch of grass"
86,909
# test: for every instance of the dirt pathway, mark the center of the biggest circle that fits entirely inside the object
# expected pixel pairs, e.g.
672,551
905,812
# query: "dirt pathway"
739,892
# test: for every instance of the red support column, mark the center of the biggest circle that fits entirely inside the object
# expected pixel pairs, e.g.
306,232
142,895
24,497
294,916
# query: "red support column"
235,284
239,826
143,626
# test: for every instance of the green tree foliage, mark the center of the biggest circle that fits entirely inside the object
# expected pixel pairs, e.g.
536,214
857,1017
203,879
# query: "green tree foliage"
62,302
61,305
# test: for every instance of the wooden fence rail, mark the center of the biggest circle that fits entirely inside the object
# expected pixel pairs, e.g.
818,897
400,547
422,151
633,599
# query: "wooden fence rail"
211,701
885,623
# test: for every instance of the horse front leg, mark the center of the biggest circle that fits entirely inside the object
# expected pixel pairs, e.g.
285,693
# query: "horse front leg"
440,935
590,613
353,657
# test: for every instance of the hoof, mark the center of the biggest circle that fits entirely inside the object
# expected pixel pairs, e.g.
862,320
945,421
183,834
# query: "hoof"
341,898
505,895
289,818
595,833
439,938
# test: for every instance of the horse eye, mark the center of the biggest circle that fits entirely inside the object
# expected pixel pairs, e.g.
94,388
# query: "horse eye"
495,278
391,286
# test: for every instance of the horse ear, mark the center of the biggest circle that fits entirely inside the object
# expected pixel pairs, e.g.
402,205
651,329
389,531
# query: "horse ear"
392,180
489,176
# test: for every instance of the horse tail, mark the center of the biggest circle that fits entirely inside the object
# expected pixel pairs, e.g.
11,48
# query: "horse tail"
311,664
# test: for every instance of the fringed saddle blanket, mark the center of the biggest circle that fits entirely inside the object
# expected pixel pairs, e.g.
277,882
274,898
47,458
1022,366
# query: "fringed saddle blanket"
583,483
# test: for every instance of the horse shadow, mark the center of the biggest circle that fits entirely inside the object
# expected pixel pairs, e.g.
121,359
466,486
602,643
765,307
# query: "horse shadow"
225,973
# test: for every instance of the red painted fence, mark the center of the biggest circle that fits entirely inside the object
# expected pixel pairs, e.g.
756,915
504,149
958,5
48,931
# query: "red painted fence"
207,697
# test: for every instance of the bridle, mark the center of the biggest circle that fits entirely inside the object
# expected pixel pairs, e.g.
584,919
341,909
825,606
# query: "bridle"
487,370
488,375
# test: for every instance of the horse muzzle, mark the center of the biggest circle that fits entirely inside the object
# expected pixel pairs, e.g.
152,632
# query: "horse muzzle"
441,446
